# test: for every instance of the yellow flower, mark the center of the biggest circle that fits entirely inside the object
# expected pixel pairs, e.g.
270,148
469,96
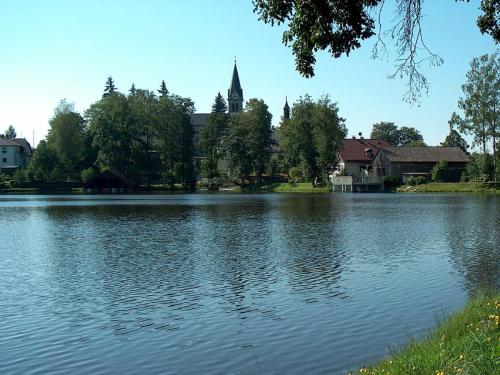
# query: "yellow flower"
461,356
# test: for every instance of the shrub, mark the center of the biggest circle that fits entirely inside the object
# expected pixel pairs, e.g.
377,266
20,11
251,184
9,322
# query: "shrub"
295,175
480,167
88,174
414,181
19,178
440,171
3,180
392,181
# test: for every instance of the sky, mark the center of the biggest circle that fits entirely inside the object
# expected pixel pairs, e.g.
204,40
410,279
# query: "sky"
56,49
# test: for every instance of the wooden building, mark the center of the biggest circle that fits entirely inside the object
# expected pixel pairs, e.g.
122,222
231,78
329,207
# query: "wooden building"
111,181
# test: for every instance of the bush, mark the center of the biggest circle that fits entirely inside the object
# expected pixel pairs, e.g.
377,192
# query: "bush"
295,175
480,167
392,181
3,180
88,174
414,181
440,171
19,178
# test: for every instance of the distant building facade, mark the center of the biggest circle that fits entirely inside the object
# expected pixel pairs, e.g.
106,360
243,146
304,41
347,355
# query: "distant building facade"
356,156
14,153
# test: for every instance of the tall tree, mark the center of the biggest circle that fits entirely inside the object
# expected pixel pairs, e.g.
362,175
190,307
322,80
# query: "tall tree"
109,88
311,138
132,89
220,105
387,131
163,89
66,137
480,101
454,139
210,136
248,142
10,133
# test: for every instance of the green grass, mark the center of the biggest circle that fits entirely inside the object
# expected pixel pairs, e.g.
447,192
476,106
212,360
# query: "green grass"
464,343
450,187
302,187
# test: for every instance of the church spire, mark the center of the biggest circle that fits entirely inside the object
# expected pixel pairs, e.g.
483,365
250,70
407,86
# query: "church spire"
235,92
286,110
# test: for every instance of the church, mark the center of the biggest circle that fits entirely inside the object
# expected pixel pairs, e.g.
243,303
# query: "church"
234,103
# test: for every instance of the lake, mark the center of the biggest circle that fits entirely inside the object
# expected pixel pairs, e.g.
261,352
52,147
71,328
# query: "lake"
233,283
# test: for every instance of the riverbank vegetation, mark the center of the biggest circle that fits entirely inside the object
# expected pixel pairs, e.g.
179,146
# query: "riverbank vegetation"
452,187
466,342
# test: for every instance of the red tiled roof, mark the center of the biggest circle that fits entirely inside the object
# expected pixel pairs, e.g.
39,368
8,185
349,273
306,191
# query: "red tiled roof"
354,149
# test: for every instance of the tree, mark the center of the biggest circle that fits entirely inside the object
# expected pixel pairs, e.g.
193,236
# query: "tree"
416,144
311,138
111,131
407,136
210,136
247,143
480,101
132,90
220,105
454,139
44,165
163,89
387,131
66,136
341,26
10,133
110,87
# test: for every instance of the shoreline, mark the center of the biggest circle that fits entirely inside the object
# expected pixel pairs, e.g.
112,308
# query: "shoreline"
465,342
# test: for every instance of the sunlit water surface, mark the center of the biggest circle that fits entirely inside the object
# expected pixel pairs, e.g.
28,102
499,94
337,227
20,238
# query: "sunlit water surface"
206,284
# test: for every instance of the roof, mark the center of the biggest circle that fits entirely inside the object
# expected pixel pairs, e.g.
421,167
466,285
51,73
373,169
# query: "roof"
8,142
110,173
235,83
428,154
355,149
199,119
24,143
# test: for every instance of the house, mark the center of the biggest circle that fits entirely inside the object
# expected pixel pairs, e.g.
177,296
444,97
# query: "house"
14,153
357,154
406,162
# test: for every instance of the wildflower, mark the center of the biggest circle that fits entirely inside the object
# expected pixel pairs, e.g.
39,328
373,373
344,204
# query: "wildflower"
461,356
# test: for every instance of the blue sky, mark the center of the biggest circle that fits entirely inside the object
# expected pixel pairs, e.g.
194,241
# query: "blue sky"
65,49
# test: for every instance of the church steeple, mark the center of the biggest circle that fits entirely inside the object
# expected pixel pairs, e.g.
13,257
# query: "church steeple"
235,93
286,110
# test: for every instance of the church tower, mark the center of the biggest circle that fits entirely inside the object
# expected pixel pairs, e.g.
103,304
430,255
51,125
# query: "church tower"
235,93
286,110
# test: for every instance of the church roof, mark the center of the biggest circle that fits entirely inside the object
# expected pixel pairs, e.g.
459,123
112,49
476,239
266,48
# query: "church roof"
235,83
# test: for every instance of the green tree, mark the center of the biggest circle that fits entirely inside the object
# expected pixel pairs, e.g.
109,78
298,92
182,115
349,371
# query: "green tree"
111,130
163,89
480,101
110,87
407,135
454,139
311,138
220,105
44,165
248,143
387,131
132,90
416,144
210,136
66,137
439,172
10,133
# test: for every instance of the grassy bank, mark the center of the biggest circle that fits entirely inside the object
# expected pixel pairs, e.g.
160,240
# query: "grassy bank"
465,343
302,187
450,187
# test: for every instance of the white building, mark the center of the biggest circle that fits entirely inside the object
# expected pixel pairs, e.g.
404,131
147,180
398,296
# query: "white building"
14,153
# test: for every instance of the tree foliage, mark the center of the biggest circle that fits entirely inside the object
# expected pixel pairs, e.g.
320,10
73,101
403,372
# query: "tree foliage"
311,138
480,101
10,133
454,139
109,88
210,136
247,143
163,91
404,136
340,26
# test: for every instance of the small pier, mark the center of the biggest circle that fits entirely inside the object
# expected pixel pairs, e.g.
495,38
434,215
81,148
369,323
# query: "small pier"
352,184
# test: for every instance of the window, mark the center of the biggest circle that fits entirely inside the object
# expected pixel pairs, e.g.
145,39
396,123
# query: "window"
4,160
4,150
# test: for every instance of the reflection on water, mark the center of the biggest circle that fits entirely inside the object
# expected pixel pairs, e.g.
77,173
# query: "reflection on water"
233,283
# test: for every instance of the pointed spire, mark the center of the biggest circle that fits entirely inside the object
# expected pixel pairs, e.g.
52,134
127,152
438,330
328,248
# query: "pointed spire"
286,110
235,83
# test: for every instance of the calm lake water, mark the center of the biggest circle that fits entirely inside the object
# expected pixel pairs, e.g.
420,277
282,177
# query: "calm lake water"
232,283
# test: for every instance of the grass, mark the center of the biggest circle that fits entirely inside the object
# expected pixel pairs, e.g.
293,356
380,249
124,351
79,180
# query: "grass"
464,343
301,187
450,187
